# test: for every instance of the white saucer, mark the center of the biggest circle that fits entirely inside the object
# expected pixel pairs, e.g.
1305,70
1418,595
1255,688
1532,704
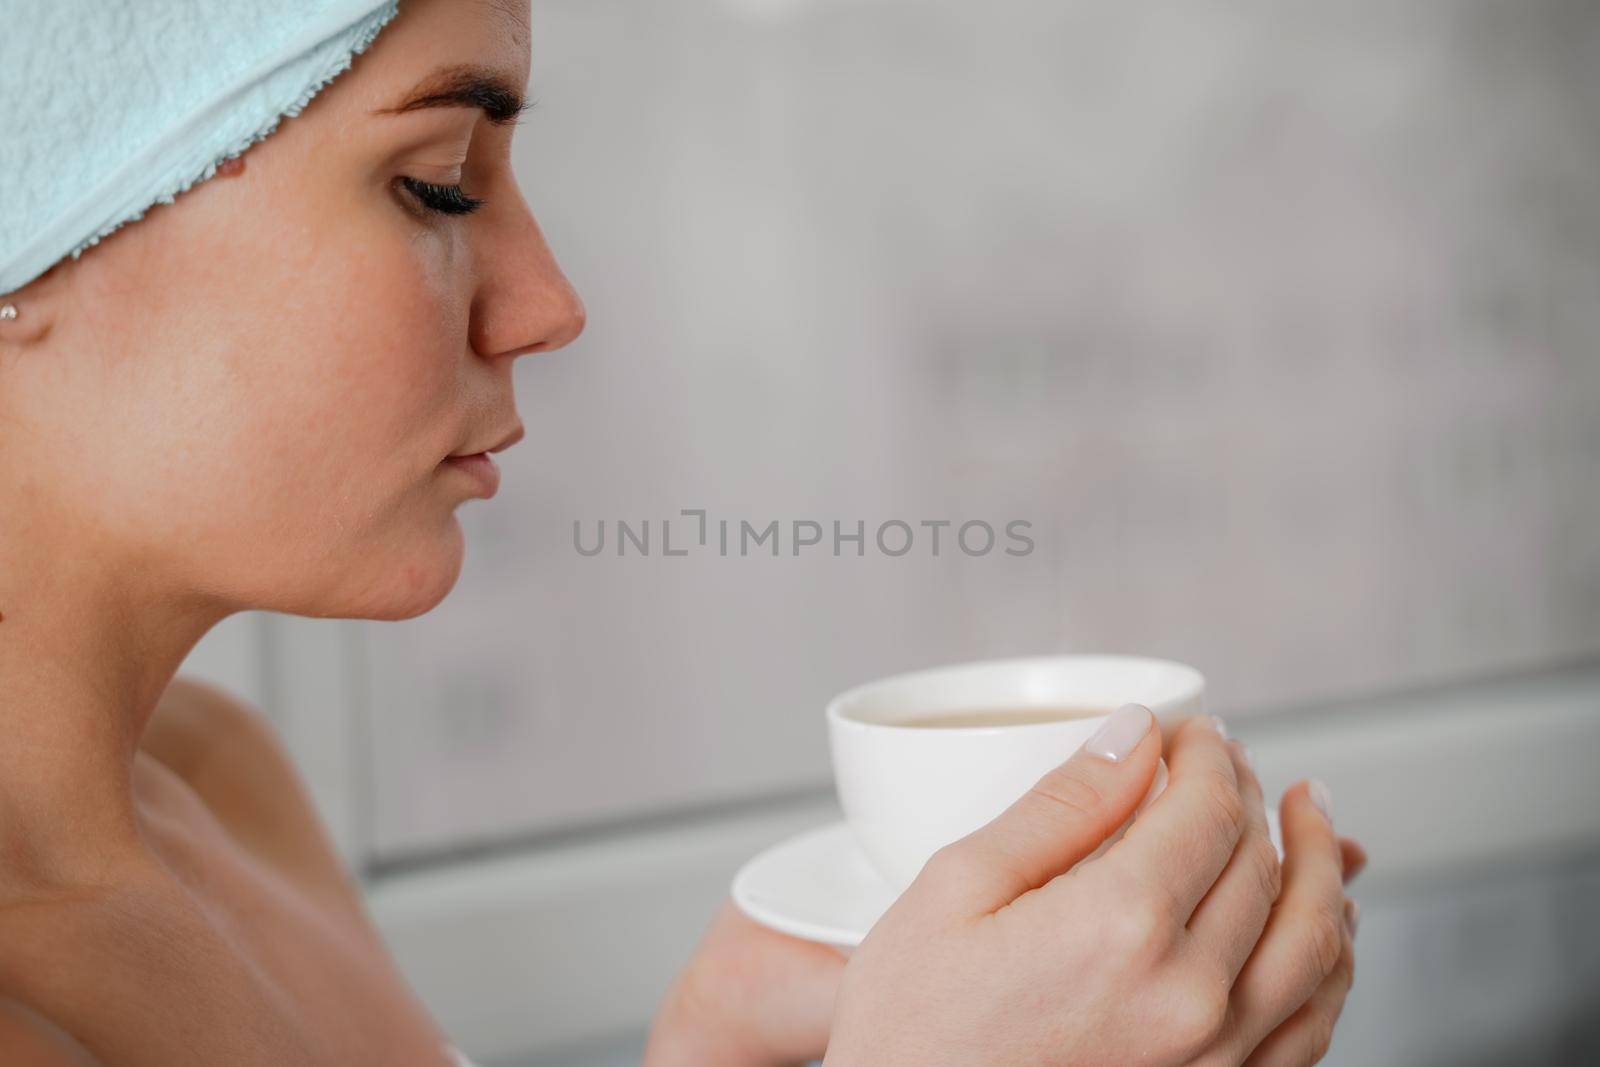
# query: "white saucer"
818,886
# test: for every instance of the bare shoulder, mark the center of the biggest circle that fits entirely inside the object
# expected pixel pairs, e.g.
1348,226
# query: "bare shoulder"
31,1040
197,721
230,754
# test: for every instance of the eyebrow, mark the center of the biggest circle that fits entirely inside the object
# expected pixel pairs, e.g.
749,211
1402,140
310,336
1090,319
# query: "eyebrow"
466,85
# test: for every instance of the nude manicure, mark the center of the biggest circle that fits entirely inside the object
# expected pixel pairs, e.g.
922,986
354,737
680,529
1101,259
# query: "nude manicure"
1318,792
1120,734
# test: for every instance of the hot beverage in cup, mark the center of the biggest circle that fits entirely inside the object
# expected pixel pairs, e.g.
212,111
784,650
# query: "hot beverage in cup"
923,759
1019,716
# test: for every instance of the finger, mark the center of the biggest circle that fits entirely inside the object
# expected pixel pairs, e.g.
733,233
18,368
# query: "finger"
1230,919
1061,820
1302,942
1181,843
797,981
1305,1037
765,993
1353,856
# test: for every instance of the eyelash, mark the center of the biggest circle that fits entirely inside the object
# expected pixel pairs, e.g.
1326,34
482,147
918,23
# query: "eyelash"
444,199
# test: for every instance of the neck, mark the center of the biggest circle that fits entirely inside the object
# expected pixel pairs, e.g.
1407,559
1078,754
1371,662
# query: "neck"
87,646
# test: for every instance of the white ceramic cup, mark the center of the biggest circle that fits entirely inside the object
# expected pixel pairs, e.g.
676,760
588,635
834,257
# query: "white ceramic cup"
909,790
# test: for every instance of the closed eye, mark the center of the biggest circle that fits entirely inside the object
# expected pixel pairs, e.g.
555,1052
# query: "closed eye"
445,199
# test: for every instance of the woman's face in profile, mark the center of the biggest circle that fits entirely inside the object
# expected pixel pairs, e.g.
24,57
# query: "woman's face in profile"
250,392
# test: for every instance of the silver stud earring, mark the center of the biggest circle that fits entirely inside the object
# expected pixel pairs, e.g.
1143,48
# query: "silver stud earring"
9,311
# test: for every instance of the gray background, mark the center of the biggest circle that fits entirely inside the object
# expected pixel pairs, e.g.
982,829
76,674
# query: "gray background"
1277,321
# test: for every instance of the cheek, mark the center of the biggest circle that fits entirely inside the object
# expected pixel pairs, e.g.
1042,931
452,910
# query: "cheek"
363,377
292,405
346,408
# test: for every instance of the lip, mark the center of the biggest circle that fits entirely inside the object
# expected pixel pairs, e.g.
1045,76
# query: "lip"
479,467
511,437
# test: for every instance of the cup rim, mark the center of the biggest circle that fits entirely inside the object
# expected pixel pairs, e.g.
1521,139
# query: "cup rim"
837,716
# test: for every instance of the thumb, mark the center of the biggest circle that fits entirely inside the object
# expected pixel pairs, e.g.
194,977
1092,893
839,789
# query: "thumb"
1065,816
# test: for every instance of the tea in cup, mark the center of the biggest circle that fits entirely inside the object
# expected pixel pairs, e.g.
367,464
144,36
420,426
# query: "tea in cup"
923,759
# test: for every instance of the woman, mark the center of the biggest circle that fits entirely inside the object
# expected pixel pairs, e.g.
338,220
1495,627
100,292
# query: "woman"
273,393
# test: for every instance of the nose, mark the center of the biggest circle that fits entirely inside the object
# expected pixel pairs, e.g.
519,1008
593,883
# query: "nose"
524,303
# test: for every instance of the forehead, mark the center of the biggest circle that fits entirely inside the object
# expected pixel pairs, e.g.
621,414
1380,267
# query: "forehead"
431,34
515,15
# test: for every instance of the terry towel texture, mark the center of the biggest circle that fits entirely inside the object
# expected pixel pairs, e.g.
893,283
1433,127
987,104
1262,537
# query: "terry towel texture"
108,107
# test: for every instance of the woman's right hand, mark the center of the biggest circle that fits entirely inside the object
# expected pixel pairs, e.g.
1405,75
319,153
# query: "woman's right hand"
1185,942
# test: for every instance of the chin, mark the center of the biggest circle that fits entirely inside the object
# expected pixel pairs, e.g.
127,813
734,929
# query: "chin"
425,578
388,582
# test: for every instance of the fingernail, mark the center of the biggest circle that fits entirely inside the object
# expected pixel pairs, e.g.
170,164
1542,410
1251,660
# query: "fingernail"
1352,915
1120,734
1318,792
1218,725
1249,757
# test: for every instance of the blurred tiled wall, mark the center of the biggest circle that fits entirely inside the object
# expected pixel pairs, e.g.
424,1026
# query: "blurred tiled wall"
1275,321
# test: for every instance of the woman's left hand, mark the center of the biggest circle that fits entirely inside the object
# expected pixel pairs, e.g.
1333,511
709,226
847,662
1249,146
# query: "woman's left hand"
750,997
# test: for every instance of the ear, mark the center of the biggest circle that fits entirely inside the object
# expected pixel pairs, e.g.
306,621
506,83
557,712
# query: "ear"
27,315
